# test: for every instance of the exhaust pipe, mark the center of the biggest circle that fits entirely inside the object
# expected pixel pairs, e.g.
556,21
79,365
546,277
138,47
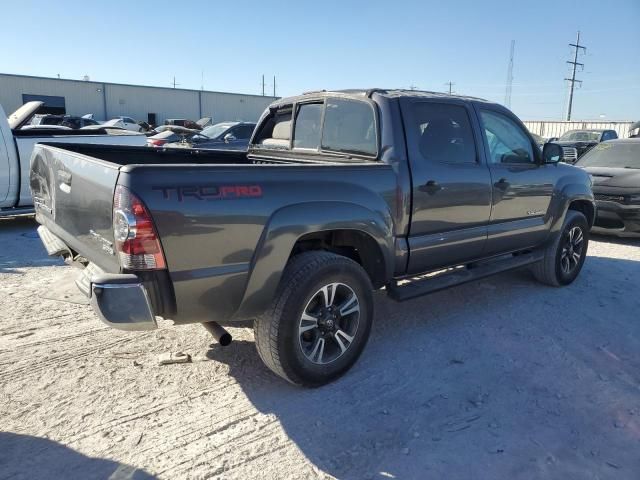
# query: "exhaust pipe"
219,333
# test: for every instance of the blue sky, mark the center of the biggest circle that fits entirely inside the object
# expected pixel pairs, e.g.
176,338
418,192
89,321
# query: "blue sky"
340,44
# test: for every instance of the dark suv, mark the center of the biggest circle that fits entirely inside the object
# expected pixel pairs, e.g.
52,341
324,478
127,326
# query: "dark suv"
576,143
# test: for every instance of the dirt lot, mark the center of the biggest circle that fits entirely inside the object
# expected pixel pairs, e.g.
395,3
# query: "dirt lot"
502,378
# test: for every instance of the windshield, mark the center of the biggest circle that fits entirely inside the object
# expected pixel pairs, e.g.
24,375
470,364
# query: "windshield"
608,154
215,131
581,136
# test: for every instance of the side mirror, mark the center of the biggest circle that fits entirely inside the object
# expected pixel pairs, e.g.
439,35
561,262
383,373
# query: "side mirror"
229,137
552,153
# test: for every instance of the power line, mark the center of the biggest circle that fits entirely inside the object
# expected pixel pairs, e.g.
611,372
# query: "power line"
572,81
507,93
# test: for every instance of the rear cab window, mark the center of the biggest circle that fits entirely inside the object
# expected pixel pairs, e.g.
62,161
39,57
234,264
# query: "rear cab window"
308,128
349,127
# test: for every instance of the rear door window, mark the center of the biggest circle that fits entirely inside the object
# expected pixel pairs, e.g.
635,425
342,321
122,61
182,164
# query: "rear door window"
308,126
444,133
349,126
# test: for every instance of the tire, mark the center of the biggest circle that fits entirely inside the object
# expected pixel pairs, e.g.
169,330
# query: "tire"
551,270
302,350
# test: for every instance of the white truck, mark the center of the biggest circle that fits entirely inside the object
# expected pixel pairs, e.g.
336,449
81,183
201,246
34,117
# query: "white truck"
16,146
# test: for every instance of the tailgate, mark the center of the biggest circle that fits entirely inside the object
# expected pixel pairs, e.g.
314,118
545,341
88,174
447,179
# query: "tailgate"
73,197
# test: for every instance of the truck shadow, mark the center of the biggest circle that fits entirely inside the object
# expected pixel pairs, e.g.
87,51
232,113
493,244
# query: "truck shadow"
34,458
20,246
630,241
500,373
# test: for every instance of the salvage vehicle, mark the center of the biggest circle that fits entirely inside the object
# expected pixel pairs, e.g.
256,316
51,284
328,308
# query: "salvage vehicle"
339,193
169,134
576,143
70,121
126,123
183,122
614,167
221,136
17,139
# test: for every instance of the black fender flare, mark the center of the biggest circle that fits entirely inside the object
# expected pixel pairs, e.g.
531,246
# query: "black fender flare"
289,224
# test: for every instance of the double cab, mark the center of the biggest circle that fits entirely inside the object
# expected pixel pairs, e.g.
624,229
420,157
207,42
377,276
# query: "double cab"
340,193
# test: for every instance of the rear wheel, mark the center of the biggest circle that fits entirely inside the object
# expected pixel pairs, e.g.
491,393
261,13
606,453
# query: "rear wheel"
319,321
564,257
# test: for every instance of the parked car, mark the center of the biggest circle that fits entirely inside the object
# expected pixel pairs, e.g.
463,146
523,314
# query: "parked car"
46,119
78,122
226,136
183,122
634,130
169,134
70,121
127,123
17,139
339,193
576,143
614,167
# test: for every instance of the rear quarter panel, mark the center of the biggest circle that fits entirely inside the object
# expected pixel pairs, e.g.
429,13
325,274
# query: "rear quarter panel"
226,250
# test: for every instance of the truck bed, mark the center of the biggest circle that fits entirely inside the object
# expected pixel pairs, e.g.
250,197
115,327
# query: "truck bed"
132,155
211,209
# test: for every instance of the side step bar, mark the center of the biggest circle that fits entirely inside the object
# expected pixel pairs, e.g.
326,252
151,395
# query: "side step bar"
416,288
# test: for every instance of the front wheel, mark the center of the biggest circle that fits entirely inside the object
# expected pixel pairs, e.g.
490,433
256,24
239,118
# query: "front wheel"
319,321
564,257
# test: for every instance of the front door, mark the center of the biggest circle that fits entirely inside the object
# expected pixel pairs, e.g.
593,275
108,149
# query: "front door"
522,184
450,182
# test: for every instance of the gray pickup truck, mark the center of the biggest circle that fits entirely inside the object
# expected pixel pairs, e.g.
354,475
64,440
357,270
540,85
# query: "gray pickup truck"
340,193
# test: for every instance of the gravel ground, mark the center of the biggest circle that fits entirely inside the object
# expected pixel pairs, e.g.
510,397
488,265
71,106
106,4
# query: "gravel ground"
502,378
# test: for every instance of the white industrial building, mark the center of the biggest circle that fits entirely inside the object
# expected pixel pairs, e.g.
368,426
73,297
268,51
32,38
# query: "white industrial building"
108,100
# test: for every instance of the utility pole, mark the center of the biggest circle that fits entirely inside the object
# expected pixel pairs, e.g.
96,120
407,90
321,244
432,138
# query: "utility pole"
274,85
572,81
174,82
451,84
263,84
507,93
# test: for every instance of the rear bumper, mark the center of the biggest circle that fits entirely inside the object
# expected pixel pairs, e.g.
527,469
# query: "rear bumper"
121,301
617,219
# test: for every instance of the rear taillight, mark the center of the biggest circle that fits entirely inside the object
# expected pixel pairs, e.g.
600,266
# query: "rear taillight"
136,240
153,142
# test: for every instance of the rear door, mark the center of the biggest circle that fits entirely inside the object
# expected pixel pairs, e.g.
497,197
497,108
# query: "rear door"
451,184
522,186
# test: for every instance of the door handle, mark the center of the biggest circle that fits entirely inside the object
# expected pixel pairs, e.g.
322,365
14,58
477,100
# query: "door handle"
431,187
502,184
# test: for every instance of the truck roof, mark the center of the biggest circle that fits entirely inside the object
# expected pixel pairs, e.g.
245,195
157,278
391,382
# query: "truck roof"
367,93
